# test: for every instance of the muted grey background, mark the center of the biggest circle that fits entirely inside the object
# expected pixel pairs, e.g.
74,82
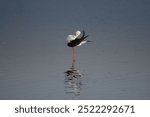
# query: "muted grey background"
34,55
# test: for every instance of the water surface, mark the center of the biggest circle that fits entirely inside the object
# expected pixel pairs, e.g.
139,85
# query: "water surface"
34,56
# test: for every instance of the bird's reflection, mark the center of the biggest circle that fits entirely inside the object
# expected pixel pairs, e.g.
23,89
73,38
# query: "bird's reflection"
73,82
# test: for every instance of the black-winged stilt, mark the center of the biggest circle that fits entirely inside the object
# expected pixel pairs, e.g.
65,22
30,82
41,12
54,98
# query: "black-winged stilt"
74,40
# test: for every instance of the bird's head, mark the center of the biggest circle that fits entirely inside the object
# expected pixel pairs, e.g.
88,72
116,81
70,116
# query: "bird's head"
77,33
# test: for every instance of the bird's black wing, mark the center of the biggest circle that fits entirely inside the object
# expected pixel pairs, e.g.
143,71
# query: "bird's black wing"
83,36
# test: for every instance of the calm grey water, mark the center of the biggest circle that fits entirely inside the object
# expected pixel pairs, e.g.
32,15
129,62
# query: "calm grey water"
107,73
34,56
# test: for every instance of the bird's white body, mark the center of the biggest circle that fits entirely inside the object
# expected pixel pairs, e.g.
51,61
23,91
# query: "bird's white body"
73,37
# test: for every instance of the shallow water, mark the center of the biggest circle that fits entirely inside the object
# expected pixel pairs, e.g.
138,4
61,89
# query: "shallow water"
34,57
38,72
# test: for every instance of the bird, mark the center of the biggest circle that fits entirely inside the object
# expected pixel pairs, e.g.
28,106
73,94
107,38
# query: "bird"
76,40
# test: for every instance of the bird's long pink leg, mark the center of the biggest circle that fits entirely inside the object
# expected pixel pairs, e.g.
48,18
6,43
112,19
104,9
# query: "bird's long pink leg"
74,56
